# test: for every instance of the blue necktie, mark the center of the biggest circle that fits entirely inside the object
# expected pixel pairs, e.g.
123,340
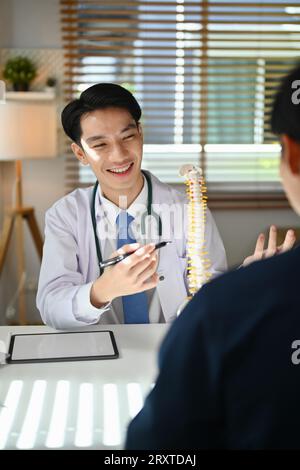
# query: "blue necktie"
135,306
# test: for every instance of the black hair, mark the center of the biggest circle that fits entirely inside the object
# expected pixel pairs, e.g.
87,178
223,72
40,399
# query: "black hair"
99,96
285,116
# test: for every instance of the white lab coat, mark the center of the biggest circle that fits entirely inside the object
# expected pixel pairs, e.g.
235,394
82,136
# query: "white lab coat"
69,265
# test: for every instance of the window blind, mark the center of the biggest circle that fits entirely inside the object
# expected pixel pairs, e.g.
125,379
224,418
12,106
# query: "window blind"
204,73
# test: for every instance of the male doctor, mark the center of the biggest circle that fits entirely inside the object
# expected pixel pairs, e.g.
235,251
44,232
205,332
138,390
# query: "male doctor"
104,126
128,210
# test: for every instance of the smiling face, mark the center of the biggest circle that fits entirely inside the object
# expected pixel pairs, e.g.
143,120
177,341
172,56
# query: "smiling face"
112,144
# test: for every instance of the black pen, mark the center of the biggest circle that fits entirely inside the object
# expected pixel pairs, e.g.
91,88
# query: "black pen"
117,259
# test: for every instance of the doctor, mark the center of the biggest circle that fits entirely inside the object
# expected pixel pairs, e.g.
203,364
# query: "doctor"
82,228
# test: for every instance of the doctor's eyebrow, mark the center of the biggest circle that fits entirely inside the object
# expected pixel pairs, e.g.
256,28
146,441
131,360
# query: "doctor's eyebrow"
127,128
92,139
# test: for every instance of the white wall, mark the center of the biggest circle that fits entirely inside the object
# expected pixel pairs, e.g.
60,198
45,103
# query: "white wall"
6,30
35,24
30,24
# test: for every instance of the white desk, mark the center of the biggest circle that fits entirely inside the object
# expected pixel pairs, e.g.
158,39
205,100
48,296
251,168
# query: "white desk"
74,405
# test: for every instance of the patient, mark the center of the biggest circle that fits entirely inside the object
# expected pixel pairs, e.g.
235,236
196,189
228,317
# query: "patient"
228,366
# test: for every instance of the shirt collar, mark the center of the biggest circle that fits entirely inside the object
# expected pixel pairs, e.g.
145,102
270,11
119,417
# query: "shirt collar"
111,210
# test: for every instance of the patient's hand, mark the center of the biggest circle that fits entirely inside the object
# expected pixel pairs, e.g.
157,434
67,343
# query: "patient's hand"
272,249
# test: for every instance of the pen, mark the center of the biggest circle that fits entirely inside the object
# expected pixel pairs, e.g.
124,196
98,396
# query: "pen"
117,259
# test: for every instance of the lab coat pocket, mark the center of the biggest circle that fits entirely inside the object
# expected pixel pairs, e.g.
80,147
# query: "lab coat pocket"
172,288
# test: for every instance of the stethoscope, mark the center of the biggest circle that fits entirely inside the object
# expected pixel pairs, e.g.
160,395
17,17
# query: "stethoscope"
149,211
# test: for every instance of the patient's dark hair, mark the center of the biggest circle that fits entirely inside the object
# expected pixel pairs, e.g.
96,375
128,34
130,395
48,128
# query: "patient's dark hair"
99,96
285,117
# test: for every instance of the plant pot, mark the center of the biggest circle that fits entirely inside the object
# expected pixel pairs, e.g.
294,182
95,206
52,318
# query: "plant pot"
20,86
50,89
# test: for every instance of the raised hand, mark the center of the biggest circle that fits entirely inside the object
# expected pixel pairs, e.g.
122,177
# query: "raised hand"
272,248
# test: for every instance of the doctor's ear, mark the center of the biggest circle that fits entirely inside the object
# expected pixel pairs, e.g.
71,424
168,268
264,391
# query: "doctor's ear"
79,153
140,129
291,153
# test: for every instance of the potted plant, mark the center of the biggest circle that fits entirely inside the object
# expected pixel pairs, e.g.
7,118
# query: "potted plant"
20,71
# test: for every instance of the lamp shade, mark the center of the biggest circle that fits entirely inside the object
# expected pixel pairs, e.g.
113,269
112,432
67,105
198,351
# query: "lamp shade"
28,126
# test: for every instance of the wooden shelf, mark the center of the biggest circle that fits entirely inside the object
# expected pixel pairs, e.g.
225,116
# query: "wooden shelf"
30,95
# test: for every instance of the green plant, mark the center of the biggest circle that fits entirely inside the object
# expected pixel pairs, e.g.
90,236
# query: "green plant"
20,71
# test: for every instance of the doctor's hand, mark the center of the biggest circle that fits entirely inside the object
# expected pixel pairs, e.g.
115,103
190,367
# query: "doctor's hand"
272,248
134,274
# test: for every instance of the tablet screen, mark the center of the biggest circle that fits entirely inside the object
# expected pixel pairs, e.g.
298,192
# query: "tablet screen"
62,346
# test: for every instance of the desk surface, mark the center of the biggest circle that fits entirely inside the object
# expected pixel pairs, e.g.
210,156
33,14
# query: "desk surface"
73,405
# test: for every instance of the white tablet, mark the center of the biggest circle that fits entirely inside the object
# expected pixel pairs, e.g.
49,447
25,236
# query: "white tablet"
52,347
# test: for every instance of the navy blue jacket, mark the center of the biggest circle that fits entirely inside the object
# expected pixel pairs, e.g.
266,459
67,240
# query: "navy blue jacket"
226,378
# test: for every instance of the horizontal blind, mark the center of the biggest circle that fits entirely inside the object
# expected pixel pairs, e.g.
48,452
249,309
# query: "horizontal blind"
204,73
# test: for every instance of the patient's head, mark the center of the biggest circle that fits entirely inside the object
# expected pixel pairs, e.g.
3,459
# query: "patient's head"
285,122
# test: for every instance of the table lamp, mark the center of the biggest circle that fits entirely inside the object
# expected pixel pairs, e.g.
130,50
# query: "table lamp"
27,131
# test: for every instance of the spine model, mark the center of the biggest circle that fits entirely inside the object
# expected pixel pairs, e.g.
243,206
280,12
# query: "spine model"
198,269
